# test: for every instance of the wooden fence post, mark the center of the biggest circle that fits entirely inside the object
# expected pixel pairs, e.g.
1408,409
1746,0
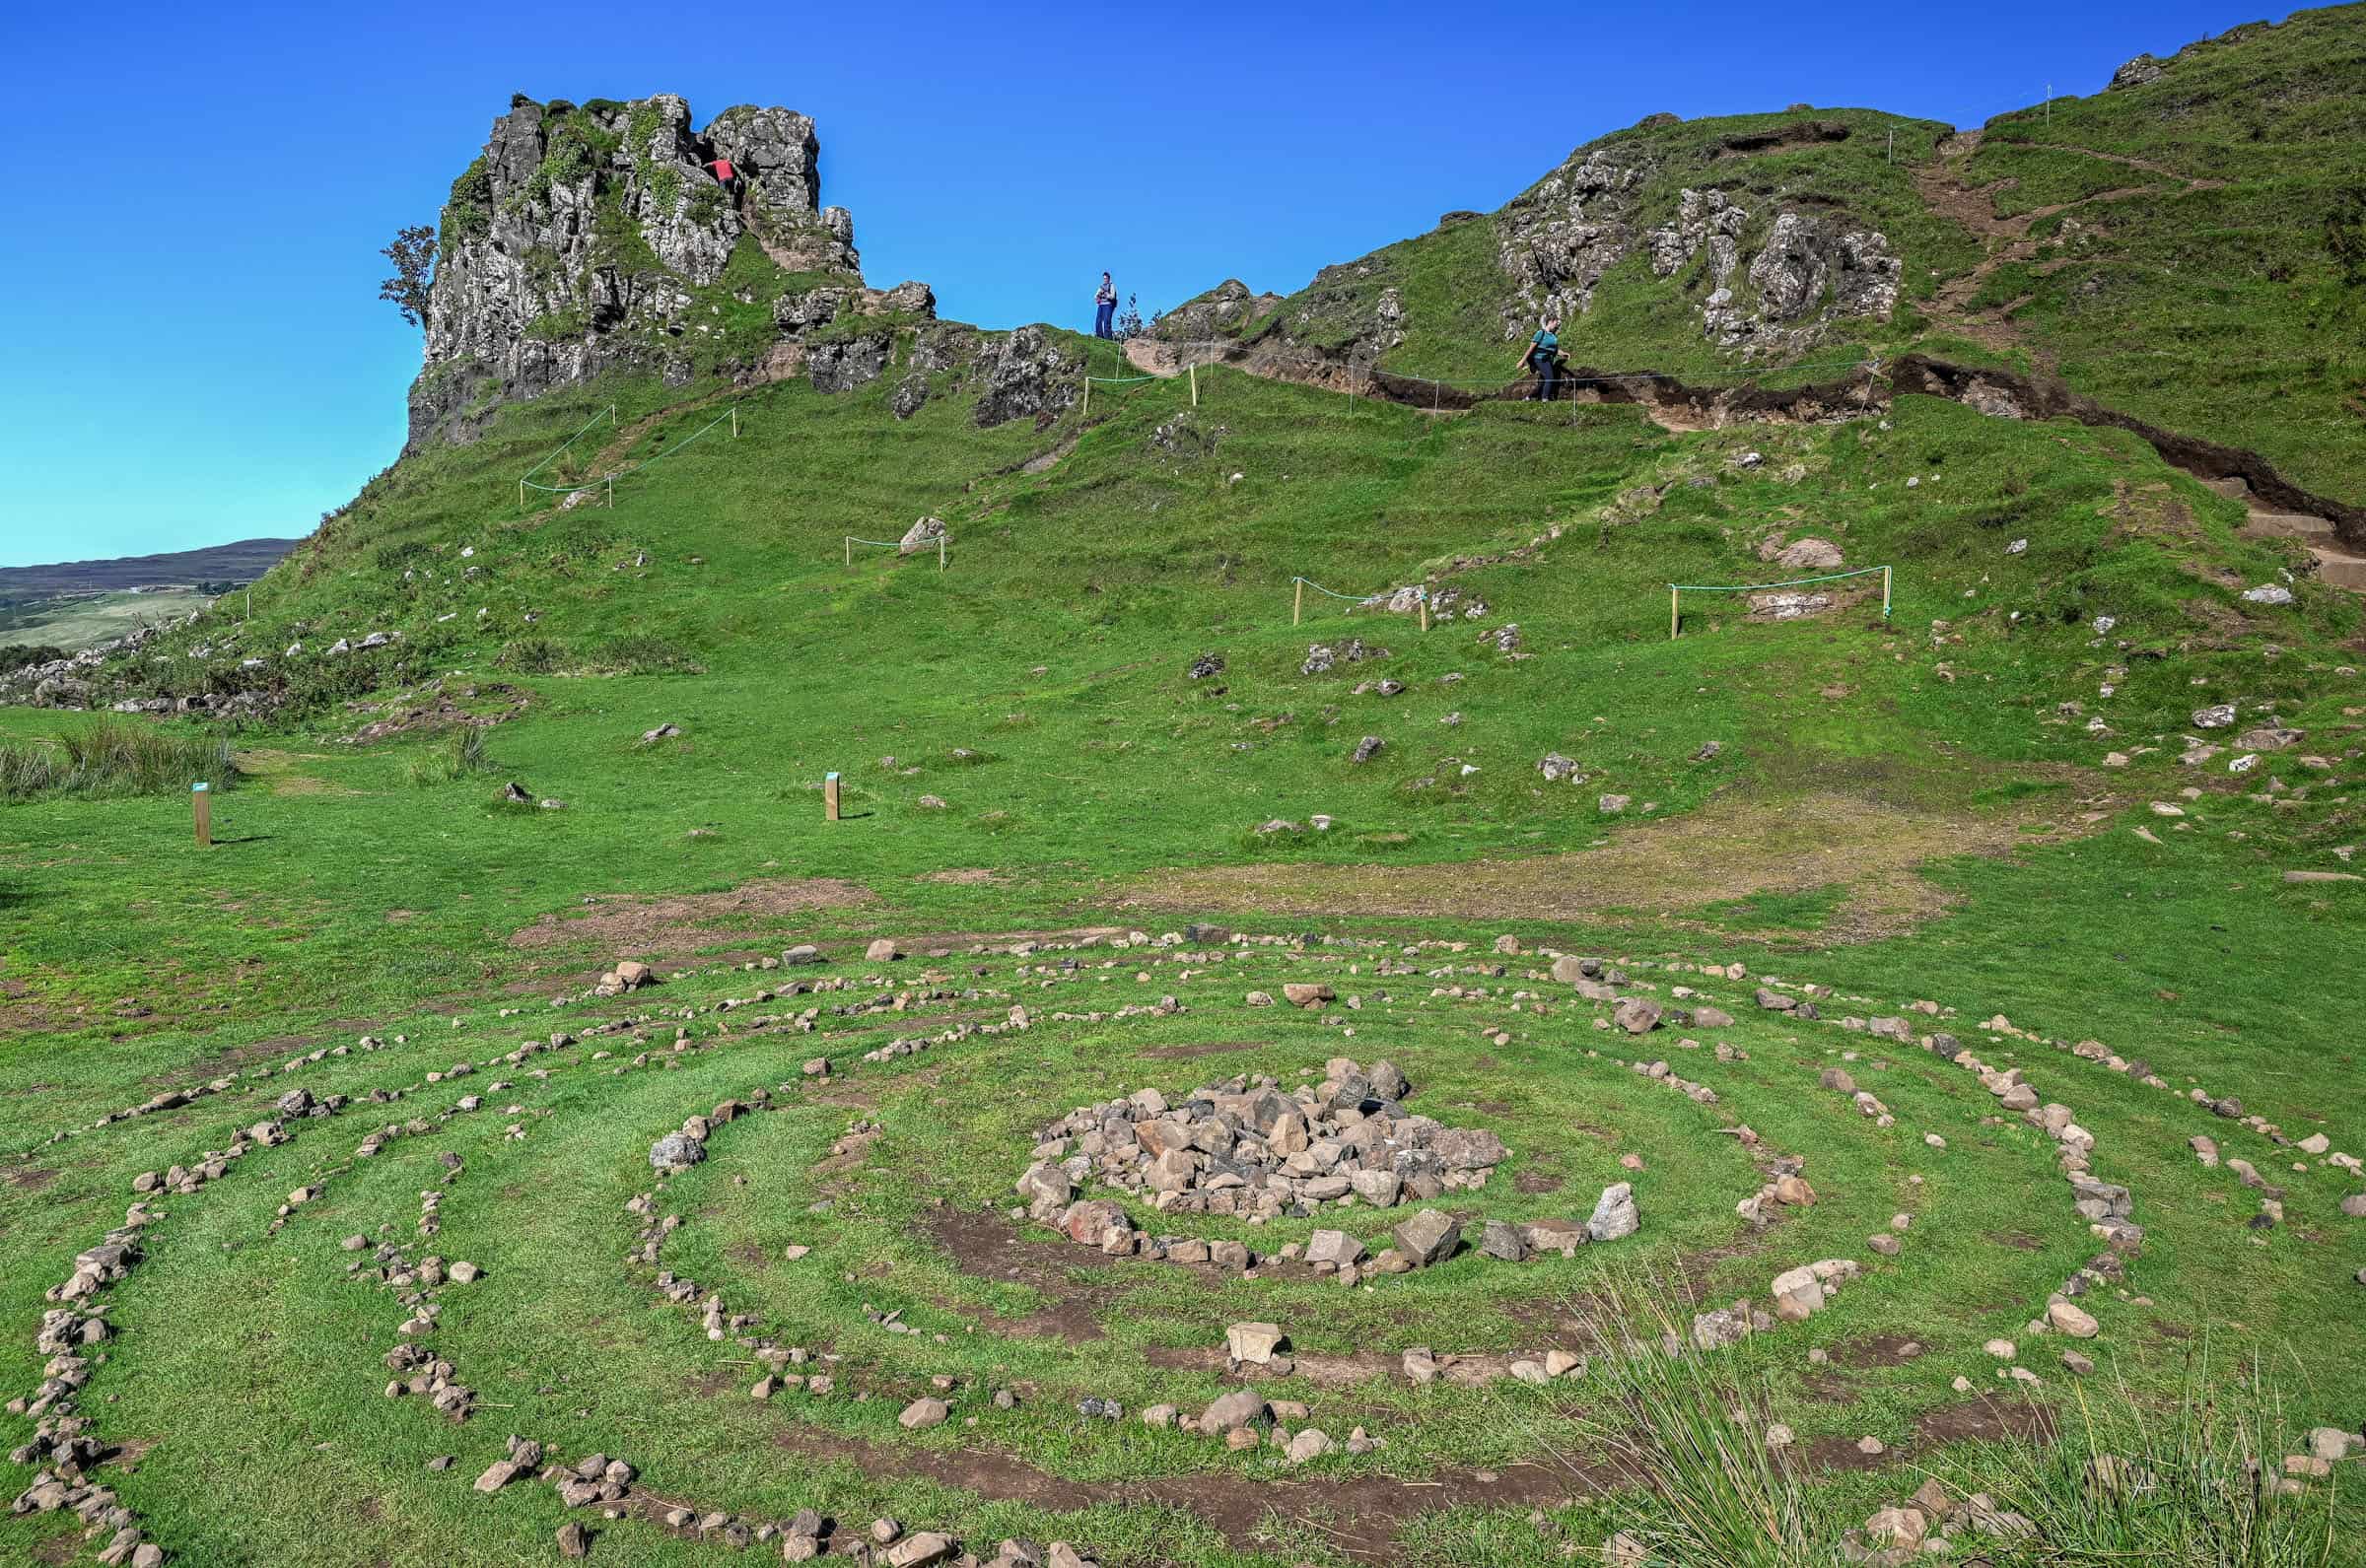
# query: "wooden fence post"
1298,599
734,421
1423,604
849,549
940,552
1192,371
201,796
1885,593
1672,612
829,798
1088,397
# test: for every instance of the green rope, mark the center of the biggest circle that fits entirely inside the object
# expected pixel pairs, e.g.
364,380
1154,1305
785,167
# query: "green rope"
610,411
1419,591
1752,587
677,446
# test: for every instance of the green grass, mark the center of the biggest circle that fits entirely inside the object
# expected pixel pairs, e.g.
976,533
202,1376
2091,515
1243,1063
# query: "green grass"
112,757
1906,809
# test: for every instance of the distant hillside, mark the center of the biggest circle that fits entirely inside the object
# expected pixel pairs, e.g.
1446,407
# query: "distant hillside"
239,562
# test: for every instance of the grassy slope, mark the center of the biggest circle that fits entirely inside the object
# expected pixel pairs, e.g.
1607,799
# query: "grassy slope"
2215,311
1452,292
2212,310
346,896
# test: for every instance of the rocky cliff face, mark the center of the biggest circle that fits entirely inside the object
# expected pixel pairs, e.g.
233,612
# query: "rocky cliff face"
1777,280
590,237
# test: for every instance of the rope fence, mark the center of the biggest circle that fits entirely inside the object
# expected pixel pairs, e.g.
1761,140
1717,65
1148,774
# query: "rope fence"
1299,585
1371,376
526,481
562,448
1675,589
891,544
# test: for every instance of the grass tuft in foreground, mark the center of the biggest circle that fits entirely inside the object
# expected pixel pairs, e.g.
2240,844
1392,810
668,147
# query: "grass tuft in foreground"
114,757
2199,1483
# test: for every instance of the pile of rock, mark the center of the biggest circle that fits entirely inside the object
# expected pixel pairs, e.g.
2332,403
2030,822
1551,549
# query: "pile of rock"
629,975
1244,1147
1321,656
1244,1418
1926,1525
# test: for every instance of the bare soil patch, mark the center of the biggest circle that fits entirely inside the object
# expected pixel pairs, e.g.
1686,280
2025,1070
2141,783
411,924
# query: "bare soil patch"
1731,849
963,876
1987,1420
986,1247
1835,1454
30,1178
628,923
1361,1513
1216,1047
1328,1372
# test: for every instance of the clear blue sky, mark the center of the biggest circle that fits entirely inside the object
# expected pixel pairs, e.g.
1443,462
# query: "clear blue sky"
194,351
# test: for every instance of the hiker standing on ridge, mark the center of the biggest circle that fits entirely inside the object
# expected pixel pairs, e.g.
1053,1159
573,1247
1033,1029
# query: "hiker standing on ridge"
1104,307
1543,356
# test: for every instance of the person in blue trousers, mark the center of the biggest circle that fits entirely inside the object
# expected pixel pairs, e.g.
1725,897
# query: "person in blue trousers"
1104,308
1543,356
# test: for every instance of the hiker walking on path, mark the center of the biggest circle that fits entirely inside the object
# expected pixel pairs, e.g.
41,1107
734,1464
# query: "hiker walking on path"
1104,307
1543,356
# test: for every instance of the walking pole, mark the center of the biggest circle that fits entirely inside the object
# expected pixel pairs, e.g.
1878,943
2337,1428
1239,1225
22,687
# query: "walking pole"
1298,599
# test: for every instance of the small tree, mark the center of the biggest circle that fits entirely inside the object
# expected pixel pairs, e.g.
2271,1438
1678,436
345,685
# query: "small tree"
1128,323
413,253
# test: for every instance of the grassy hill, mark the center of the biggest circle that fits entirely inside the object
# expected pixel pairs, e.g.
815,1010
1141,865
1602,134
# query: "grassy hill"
1995,833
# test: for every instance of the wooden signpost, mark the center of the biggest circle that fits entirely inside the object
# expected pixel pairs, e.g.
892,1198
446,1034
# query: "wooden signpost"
829,798
201,796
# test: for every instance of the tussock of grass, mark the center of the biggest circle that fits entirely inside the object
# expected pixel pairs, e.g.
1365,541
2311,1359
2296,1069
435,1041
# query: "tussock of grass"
460,754
114,757
2193,1483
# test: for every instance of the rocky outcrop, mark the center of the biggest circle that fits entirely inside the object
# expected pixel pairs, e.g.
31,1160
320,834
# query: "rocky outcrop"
1556,240
1220,312
2135,73
1809,272
1024,375
593,237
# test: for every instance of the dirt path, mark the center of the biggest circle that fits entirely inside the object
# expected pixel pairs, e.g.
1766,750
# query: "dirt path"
2007,239
1732,848
1361,1513
2337,565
